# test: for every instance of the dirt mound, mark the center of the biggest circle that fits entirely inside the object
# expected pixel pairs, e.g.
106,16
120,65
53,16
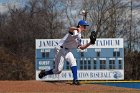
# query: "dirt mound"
58,87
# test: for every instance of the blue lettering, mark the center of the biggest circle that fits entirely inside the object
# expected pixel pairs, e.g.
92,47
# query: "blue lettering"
117,42
48,43
40,44
83,75
64,75
107,42
70,75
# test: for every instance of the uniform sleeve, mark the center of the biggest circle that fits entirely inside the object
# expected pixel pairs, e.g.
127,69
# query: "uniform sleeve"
75,32
77,35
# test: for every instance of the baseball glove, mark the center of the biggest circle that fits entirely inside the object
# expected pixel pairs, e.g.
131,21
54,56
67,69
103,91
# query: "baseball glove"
93,37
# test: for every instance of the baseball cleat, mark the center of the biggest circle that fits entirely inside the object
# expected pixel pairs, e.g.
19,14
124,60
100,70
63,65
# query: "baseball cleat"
41,74
76,82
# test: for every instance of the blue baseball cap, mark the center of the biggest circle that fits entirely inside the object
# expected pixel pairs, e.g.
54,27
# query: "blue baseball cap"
83,23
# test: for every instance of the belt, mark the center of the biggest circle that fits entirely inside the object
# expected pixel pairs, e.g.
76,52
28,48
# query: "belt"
63,47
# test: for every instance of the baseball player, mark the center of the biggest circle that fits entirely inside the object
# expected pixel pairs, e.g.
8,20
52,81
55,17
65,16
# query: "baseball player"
71,40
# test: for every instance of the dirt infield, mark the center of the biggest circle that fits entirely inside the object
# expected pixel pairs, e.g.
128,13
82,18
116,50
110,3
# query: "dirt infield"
58,87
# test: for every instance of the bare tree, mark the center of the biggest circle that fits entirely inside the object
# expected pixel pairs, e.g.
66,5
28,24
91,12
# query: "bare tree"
19,28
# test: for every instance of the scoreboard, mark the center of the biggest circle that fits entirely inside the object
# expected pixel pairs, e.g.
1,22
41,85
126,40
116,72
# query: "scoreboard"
102,61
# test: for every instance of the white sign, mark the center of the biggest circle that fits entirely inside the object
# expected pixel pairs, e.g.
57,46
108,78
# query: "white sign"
100,43
87,75
90,61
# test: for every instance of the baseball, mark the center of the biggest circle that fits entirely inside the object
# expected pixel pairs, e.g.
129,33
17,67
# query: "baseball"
83,11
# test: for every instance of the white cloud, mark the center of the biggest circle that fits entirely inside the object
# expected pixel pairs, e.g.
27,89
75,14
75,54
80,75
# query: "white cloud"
4,7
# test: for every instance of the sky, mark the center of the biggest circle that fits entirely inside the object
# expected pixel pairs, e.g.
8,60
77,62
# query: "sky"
11,3
21,3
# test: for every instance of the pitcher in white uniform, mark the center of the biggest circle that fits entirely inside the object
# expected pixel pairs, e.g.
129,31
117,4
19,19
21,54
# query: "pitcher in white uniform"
71,40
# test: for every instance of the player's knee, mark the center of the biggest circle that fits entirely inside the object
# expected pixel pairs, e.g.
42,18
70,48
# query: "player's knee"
73,63
58,72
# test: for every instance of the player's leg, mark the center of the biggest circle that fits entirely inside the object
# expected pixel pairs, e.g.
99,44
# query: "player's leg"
70,58
43,73
59,62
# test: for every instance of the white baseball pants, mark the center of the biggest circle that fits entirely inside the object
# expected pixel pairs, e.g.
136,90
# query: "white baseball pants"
60,57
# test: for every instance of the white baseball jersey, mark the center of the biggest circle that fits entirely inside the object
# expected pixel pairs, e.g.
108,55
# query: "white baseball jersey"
69,41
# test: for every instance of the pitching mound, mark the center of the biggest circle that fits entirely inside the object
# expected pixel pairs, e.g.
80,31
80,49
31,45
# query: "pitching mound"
58,87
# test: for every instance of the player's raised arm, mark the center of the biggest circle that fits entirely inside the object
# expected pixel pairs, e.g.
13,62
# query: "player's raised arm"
82,47
92,39
71,29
